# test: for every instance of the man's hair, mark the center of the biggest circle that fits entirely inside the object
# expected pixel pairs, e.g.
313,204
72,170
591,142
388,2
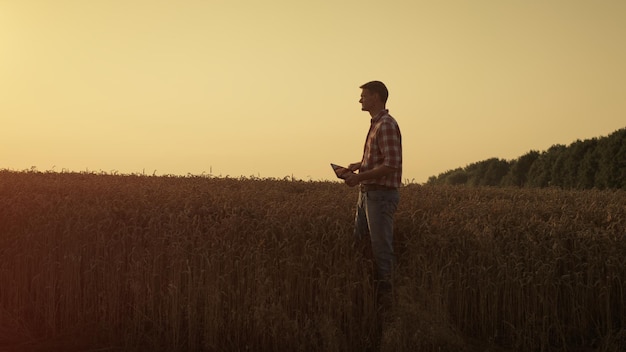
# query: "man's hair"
377,87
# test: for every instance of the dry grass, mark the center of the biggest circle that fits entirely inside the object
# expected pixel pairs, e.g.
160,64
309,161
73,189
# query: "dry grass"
133,263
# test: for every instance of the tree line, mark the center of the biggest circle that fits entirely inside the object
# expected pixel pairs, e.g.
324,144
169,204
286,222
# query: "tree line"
592,163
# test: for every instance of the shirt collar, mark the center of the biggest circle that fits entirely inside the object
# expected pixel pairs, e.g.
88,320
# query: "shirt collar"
379,115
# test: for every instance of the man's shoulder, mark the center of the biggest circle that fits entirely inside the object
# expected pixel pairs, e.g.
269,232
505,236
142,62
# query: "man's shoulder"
387,119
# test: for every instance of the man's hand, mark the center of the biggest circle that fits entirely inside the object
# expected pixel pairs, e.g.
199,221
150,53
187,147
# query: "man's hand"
352,180
354,166
343,172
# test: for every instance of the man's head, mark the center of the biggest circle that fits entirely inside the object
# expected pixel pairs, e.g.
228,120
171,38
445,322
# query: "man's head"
374,96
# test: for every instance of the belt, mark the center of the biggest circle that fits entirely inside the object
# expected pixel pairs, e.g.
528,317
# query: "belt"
375,187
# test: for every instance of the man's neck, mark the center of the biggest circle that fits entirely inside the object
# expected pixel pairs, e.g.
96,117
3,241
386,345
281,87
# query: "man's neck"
375,112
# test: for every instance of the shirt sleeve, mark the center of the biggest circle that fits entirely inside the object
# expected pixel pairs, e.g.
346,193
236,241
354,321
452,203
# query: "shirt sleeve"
390,144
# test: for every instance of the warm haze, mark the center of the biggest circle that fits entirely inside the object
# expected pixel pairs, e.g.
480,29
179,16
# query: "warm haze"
270,88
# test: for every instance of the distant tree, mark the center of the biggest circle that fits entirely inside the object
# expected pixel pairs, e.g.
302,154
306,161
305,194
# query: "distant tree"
495,171
540,173
597,162
557,170
432,180
518,174
620,160
611,163
586,163
488,172
588,169
475,172
569,169
456,177
603,175
538,176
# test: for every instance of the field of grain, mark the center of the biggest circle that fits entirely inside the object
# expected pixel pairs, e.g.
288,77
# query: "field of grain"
92,262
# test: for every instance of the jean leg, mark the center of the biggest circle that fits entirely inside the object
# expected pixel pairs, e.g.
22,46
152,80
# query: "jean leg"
380,208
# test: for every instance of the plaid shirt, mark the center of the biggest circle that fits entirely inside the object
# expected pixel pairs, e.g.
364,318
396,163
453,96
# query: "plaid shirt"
383,146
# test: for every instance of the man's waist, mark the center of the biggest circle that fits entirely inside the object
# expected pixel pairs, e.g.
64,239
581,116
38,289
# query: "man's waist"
375,187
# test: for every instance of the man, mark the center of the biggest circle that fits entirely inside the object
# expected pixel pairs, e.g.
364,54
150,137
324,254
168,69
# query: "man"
379,176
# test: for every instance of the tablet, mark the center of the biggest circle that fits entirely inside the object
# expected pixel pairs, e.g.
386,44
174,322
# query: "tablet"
340,171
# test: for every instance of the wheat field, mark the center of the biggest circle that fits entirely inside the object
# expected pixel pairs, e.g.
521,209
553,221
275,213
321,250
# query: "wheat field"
97,262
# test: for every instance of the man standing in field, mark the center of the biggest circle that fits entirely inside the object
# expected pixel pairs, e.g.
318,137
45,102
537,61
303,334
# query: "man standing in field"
379,176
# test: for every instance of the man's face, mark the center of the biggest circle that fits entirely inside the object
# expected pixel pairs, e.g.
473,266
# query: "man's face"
368,100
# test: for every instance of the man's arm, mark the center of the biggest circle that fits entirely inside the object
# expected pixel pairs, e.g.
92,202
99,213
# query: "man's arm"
376,172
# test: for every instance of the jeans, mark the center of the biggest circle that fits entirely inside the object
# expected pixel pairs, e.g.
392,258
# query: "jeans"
374,215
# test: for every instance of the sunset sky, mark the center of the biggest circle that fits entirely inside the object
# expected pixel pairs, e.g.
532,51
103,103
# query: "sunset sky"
271,88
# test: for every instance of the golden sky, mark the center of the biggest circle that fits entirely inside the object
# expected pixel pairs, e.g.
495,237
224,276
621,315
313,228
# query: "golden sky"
270,88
